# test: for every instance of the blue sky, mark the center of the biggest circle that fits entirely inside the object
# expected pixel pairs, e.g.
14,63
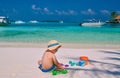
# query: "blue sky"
67,10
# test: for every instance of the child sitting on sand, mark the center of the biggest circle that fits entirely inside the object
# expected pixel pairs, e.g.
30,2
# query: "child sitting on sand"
49,61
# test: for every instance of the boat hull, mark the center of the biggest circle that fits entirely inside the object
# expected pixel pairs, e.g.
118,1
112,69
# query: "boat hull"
3,24
92,24
4,21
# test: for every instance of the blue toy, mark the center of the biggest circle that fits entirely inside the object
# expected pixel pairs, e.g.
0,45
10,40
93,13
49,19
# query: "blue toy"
77,64
72,63
82,63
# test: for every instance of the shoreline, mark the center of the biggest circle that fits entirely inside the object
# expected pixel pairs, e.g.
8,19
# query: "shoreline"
64,45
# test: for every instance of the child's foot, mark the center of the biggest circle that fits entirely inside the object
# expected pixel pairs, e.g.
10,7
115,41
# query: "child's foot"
39,62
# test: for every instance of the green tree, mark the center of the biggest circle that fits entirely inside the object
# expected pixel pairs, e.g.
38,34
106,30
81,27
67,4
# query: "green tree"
114,14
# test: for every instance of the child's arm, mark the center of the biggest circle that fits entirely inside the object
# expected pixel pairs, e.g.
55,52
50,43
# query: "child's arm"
55,61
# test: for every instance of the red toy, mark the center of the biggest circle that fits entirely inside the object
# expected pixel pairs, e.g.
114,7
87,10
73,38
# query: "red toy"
85,58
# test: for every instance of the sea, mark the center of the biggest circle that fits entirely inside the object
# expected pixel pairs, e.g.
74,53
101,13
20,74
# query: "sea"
62,32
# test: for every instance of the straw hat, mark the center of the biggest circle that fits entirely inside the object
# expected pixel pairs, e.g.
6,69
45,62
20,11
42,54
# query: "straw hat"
53,44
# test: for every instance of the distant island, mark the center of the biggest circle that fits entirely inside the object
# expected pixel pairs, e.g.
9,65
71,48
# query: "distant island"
115,18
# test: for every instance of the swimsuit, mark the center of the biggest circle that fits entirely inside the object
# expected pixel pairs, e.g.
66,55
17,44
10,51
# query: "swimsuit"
47,70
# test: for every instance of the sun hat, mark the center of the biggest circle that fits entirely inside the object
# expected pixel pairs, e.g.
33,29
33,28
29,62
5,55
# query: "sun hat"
53,44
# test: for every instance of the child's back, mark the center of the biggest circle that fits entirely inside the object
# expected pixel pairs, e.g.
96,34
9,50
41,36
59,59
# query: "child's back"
47,60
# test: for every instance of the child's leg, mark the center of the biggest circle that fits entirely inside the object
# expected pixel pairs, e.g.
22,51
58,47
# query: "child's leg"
58,68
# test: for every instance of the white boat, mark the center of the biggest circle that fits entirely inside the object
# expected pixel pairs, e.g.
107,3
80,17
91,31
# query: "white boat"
92,23
19,22
33,21
61,21
4,21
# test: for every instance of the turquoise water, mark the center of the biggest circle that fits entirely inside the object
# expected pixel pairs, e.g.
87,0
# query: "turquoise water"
69,32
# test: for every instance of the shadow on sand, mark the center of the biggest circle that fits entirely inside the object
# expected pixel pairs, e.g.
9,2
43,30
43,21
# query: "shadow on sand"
99,69
110,52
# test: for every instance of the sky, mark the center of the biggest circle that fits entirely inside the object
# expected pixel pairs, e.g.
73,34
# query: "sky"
66,10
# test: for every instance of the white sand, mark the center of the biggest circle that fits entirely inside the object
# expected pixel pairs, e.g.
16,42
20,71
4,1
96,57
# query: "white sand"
22,63
64,45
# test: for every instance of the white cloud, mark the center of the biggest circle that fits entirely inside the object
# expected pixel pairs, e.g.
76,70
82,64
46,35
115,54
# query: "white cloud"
88,11
58,12
61,12
105,12
35,8
47,11
70,12
65,13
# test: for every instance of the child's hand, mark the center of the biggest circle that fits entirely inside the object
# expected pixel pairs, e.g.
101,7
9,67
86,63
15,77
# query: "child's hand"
59,67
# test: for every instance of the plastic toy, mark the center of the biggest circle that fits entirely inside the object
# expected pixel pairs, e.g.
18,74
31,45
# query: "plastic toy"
82,63
77,64
85,58
56,72
70,62
66,65
74,63
64,71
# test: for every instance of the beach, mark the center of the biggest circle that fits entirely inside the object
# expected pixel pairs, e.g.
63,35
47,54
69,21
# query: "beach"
64,45
81,28
22,46
21,62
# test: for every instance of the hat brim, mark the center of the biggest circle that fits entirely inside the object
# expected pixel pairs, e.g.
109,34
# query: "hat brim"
54,47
